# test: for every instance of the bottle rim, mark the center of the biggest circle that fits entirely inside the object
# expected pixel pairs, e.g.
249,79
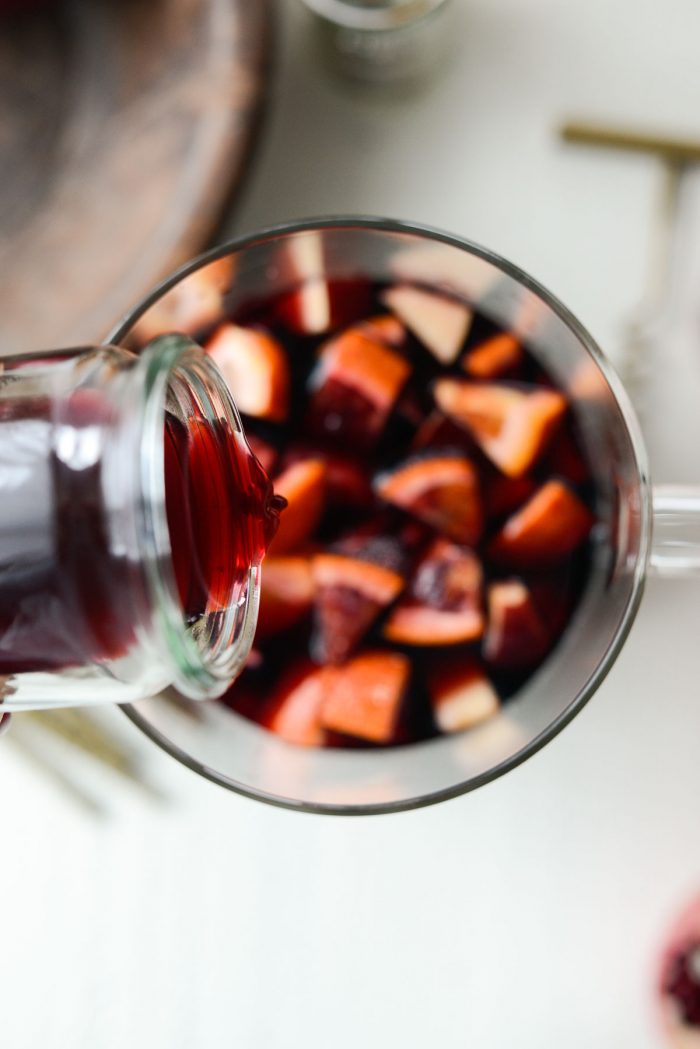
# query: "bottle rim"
200,662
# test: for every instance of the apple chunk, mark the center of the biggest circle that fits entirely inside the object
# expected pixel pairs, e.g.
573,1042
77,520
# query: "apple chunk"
461,696
256,370
441,324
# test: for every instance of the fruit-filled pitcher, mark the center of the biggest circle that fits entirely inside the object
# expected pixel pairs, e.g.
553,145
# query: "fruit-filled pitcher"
469,519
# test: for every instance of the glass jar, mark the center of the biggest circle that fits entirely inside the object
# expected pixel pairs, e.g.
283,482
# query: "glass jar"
134,522
641,530
382,41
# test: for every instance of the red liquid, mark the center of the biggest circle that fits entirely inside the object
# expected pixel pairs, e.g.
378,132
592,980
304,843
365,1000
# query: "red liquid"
66,599
221,511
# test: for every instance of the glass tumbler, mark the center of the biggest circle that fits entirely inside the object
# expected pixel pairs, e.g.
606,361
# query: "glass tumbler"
641,529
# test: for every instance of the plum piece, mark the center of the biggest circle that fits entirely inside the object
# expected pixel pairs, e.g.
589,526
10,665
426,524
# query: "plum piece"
501,355
194,303
256,370
286,594
350,595
679,980
512,425
441,489
441,324
461,695
303,485
295,707
443,603
364,698
516,636
353,389
318,306
550,526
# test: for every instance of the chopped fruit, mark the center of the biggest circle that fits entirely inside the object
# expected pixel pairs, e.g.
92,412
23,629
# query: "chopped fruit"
364,698
498,356
441,324
194,303
679,982
286,594
255,368
354,387
294,711
350,594
550,526
384,328
265,453
443,603
318,306
503,495
516,636
347,483
436,431
442,490
303,485
462,696
512,425
422,450
388,551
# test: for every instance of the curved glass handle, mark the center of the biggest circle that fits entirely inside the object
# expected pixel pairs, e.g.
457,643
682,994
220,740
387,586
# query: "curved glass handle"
675,547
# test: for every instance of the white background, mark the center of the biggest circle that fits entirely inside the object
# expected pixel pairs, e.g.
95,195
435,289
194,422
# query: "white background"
527,914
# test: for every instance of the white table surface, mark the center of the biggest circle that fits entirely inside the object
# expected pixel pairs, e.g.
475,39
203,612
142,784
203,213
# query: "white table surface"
529,913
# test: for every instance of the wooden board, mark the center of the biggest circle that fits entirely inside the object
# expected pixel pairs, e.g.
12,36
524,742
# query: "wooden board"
124,130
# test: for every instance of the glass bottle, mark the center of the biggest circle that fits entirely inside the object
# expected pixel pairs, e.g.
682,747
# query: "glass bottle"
134,522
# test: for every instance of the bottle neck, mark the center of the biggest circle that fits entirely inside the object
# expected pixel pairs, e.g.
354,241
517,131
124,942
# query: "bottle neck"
202,510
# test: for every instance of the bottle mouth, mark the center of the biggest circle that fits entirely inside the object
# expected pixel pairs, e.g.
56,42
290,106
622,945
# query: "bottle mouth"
201,570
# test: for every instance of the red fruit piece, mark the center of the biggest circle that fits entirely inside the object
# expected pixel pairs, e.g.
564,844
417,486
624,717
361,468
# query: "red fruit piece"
265,453
513,426
353,389
303,485
461,696
441,324
498,356
384,328
350,594
443,603
347,483
195,302
503,495
679,980
364,698
441,490
294,709
286,594
516,636
550,526
256,370
318,306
